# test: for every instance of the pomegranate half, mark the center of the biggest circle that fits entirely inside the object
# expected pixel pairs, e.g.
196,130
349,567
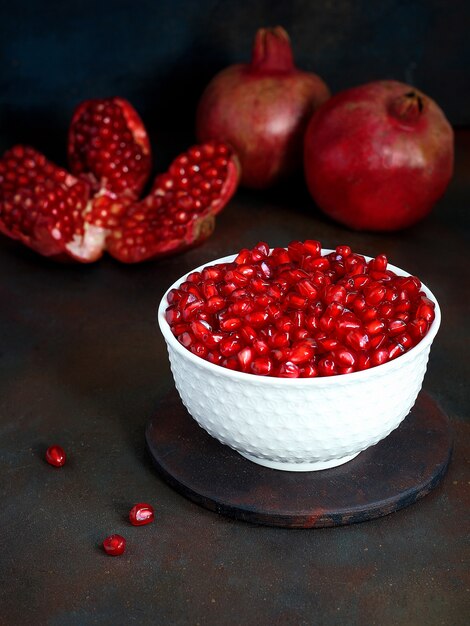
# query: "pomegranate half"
379,156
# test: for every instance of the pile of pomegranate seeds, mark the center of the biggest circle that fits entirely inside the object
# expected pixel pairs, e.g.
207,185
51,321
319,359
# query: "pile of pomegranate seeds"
293,313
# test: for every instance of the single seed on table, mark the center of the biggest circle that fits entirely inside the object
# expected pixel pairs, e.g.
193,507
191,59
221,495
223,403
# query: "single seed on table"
114,545
55,455
141,514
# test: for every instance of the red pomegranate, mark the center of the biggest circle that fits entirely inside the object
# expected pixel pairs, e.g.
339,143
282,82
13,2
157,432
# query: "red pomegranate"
378,156
262,109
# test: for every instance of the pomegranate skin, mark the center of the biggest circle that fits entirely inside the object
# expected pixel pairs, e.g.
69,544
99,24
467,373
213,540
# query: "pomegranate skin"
262,109
379,156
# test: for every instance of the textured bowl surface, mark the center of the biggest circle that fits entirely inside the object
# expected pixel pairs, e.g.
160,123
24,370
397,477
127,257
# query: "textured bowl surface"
298,424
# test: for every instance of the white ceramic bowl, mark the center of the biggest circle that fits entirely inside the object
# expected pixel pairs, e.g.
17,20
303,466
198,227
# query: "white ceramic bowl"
298,424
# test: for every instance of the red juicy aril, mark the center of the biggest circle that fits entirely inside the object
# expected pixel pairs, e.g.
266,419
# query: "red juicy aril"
379,156
55,455
109,147
114,545
294,313
262,109
141,514
59,216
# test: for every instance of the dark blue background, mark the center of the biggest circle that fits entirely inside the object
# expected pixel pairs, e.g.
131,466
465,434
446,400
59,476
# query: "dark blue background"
161,54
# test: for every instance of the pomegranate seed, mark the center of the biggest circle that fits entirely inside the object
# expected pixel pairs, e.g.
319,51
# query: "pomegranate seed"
214,304
231,363
288,370
248,334
199,349
418,328
395,350
395,327
379,356
284,323
357,339
363,361
375,295
174,296
280,339
312,247
293,313
368,314
380,263
296,301
306,288
245,356
345,358
209,289
377,340
426,310
360,281
327,322
405,340
385,310
374,327
55,455
141,514
232,323
343,250
309,371
335,293
262,366
229,346
301,352
114,545
243,257
327,344
327,367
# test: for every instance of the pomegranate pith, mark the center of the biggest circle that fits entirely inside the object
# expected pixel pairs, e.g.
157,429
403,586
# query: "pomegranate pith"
55,455
296,314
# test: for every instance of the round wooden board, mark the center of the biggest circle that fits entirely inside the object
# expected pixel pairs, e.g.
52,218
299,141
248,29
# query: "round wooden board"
393,474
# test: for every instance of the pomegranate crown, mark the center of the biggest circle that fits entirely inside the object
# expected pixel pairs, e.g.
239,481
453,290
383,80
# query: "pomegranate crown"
272,51
408,108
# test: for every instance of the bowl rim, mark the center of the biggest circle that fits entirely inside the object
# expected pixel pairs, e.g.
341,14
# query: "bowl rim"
275,380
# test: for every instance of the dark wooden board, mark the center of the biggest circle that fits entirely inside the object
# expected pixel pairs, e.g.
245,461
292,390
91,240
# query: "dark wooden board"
393,474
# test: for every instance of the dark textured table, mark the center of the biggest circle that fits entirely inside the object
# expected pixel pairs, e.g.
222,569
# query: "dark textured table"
83,365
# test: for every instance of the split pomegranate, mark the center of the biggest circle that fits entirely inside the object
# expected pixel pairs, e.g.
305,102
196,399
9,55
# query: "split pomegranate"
55,455
109,147
262,109
57,215
114,545
293,313
141,514
379,156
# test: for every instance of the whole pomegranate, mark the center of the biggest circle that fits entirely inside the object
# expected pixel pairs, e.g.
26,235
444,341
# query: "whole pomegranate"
378,156
262,109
